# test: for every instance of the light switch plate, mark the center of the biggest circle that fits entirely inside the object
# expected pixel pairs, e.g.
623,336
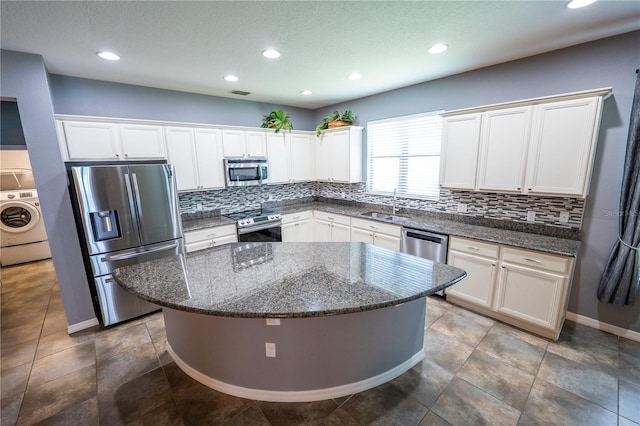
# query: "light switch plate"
199,207
273,321
564,217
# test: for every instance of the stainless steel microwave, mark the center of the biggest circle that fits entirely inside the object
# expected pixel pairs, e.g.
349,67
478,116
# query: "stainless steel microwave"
246,171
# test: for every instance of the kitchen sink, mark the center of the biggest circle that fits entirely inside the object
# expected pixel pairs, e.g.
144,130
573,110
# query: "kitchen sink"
395,218
376,215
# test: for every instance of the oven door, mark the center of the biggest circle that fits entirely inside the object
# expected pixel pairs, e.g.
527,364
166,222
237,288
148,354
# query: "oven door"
267,233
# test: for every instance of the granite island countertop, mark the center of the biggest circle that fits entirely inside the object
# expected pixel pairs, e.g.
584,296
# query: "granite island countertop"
286,280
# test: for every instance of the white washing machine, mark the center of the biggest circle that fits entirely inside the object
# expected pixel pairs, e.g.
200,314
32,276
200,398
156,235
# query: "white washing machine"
23,237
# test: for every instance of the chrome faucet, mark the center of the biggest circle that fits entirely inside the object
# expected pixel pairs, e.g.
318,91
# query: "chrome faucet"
395,202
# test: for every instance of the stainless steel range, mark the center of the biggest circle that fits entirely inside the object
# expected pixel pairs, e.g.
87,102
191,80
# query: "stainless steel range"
258,226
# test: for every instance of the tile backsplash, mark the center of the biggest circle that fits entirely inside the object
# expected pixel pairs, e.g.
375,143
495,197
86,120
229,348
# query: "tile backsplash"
509,207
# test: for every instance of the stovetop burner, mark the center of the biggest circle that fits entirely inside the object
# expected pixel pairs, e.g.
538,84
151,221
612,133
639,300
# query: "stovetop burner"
253,218
245,215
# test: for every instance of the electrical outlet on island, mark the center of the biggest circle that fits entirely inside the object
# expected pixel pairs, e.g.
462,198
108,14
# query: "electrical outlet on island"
462,208
564,217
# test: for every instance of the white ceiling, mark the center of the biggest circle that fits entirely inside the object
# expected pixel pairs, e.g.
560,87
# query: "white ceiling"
189,46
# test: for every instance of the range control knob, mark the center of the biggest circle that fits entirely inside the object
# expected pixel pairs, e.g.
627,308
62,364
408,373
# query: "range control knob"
11,196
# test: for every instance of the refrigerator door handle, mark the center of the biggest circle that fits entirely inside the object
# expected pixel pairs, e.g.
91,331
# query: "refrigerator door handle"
136,253
136,192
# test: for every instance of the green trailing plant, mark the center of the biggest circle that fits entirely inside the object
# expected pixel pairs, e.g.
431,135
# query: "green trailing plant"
278,120
346,117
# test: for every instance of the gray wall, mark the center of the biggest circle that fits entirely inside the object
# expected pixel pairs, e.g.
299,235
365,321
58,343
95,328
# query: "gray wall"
24,78
78,96
603,63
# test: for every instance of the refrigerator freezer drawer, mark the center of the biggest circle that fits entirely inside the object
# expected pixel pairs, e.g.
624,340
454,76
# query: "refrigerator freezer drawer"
117,305
105,263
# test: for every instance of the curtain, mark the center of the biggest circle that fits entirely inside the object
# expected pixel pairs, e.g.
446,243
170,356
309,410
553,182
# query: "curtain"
620,280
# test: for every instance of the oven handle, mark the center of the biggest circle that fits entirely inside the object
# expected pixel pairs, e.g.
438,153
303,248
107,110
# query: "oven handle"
242,231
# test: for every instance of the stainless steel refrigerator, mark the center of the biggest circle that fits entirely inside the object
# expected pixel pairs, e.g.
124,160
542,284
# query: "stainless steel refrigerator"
126,214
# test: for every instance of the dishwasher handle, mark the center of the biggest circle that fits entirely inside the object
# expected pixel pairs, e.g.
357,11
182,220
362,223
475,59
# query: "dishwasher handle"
426,236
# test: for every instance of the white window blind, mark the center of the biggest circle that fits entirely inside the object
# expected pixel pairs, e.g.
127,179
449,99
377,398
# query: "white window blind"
403,153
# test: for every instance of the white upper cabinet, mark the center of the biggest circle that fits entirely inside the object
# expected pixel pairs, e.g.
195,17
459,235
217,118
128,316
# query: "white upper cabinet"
197,157
302,160
503,149
279,158
339,155
244,143
140,141
181,148
92,141
87,140
563,147
290,157
459,155
543,146
210,158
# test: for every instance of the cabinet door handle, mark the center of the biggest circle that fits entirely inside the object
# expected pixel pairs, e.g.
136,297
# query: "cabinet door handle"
528,259
117,155
126,155
493,264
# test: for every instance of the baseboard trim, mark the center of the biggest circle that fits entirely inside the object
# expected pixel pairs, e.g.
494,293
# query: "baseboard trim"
609,328
296,396
79,326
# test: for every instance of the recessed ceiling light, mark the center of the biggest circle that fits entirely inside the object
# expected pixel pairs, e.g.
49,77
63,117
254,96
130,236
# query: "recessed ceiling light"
576,4
271,54
306,92
109,56
438,48
231,78
354,76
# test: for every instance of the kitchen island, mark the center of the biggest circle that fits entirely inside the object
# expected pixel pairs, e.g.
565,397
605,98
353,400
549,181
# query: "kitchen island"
292,321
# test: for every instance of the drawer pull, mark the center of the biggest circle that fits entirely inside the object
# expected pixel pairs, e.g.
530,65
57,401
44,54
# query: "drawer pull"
211,235
373,227
528,259
330,218
296,217
473,248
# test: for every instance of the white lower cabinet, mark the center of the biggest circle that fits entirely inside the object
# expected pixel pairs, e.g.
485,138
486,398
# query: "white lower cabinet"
296,227
331,227
210,237
479,260
376,233
526,288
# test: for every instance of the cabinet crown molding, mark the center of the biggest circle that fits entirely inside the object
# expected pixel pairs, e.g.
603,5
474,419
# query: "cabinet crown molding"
115,120
532,101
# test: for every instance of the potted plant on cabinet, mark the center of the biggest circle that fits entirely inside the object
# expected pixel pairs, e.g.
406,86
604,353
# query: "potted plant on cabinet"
278,120
336,119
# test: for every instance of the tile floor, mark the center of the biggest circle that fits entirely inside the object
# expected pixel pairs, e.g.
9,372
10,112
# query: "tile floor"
476,371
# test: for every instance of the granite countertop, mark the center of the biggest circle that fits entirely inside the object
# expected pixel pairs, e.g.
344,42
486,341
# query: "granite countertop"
195,222
526,240
286,280
425,221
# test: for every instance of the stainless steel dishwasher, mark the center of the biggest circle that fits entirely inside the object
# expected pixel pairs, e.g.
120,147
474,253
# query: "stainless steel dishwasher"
427,245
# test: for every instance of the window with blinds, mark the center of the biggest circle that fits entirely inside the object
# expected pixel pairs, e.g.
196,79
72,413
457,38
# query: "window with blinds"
403,153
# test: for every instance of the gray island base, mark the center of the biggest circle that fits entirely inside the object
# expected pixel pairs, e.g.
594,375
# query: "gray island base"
292,322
